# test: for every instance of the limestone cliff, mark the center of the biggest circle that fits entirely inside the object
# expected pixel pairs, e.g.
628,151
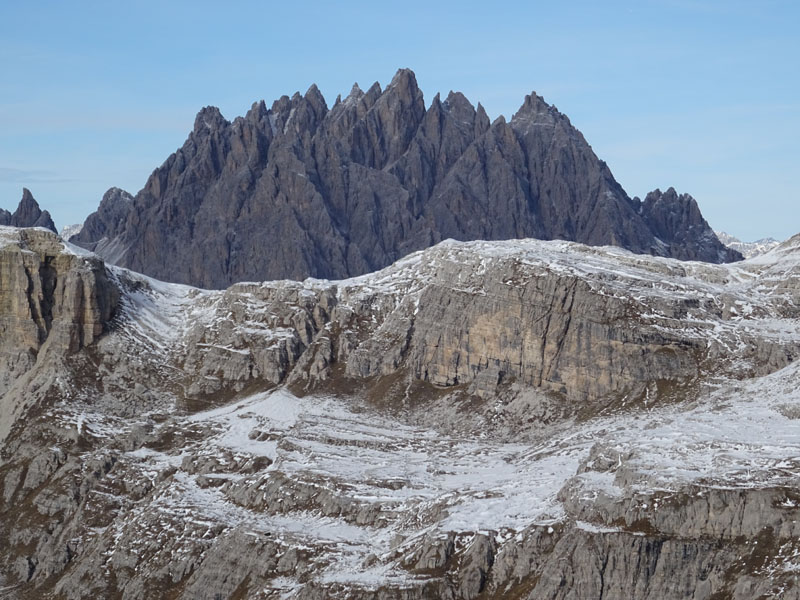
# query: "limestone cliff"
519,419
52,301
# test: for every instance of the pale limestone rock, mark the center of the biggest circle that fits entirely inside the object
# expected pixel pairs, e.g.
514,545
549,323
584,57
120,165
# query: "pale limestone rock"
124,495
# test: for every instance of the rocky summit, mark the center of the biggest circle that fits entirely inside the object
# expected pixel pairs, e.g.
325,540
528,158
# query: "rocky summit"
28,214
303,189
523,419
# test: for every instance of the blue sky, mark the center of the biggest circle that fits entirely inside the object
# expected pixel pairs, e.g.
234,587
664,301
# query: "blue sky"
702,96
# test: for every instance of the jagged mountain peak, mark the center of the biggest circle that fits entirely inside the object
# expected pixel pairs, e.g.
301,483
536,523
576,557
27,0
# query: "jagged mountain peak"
458,103
257,110
114,195
534,107
657,195
27,198
404,77
27,207
298,190
404,81
535,116
355,93
457,99
281,104
676,218
672,202
670,194
315,98
209,118
110,216
27,214
404,84
372,94
68,231
533,102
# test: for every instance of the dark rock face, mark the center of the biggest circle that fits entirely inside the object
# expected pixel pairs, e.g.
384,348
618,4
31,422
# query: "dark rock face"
28,214
302,190
110,216
676,221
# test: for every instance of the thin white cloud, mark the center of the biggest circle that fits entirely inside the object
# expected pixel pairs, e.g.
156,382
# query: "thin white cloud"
24,176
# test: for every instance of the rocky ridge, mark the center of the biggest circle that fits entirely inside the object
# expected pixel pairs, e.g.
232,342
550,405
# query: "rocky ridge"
518,419
302,189
747,249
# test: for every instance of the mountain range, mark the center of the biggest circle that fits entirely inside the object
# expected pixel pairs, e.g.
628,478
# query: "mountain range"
301,189
378,404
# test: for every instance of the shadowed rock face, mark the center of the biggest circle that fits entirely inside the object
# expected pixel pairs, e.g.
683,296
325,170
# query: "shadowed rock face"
28,214
110,215
301,189
676,220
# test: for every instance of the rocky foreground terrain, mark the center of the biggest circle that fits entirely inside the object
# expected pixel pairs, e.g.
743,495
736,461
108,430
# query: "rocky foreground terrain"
521,419
302,189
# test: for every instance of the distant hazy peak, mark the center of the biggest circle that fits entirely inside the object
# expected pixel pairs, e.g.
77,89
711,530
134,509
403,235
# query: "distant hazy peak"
748,249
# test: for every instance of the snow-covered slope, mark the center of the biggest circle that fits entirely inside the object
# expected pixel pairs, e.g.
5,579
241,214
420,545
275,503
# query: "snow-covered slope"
69,230
517,419
748,249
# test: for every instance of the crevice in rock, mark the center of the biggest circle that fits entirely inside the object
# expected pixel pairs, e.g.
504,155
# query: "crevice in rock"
34,308
49,277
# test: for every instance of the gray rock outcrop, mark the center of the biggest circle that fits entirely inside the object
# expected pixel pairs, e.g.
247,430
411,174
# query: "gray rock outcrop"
109,217
301,189
53,303
28,214
676,221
